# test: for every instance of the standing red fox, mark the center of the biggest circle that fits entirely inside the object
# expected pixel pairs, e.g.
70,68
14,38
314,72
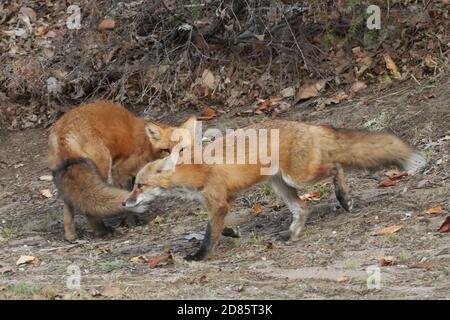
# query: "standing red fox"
306,154
94,152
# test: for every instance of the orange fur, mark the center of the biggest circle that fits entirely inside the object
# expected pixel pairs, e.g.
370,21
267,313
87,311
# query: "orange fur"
94,151
307,154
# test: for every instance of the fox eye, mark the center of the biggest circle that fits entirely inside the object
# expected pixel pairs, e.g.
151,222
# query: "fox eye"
139,185
158,171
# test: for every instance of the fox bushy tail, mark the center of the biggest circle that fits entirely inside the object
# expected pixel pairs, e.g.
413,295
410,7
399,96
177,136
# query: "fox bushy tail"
369,150
80,183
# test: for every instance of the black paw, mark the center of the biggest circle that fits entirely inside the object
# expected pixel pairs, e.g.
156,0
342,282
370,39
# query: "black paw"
231,232
285,235
105,232
200,255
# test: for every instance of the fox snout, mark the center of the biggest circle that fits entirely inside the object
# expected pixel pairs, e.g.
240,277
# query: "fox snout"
130,202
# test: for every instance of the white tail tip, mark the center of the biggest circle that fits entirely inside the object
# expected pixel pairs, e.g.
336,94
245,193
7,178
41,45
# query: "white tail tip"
415,163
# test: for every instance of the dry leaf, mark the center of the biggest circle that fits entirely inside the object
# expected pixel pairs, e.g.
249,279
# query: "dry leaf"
390,64
41,31
395,174
307,91
270,246
156,260
386,183
208,79
262,105
282,107
311,196
357,86
208,114
46,178
388,230
287,92
30,13
139,259
429,62
157,220
435,210
445,226
343,279
27,260
260,37
111,292
46,193
107,24
257,209
387,261
4,270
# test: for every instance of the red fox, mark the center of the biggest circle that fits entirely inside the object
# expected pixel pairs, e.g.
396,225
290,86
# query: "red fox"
307,153
94,152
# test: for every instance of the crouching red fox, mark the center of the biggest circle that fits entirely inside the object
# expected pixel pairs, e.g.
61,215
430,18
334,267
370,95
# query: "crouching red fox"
94,152
305,153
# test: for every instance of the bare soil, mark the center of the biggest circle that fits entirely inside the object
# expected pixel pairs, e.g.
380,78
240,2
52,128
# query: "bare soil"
330,260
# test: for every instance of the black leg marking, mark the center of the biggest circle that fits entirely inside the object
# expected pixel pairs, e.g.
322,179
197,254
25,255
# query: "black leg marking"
231,232
205,248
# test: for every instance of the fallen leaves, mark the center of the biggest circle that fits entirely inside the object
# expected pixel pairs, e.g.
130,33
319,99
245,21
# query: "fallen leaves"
272,106
47,193
388,230
107,24
46,178
208,79
445,226
356,86
287,92
429,62
386,183
165,259
208,114
307,91
27,260
6,269
111,292
395,174
387,261
392,67
155,261
257,209
139,259
435,210
311,196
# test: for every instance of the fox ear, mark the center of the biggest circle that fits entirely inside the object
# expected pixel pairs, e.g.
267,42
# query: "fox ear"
171,162
153,131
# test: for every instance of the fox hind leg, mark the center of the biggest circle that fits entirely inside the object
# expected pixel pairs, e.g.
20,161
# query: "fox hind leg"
341,188
69,223
298,208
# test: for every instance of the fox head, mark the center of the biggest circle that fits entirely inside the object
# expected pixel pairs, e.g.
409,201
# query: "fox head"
151,181
164,138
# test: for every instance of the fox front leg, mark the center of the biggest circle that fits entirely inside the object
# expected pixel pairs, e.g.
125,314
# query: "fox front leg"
214,229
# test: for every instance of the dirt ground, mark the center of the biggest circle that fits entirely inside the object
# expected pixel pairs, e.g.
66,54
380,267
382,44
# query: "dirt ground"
330,261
